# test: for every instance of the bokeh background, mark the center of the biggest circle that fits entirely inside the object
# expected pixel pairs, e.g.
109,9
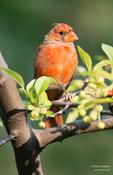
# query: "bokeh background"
23,25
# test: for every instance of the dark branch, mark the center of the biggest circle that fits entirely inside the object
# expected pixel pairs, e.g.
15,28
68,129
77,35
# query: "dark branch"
25,144
48,136
7,139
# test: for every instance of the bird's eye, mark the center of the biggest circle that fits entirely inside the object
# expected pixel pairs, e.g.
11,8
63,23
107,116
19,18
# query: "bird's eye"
61,32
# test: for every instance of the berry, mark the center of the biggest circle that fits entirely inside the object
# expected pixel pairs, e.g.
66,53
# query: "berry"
82,112
81,106
101,125
43,110
31,107
82,94
42,125
99,108
93,115
86,119
34,115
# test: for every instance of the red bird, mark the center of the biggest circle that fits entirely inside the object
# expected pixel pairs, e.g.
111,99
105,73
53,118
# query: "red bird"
56,57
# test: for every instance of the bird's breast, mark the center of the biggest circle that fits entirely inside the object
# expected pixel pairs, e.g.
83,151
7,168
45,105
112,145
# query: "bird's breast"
57,61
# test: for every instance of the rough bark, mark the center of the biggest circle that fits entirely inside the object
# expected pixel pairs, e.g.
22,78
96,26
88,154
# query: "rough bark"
25,144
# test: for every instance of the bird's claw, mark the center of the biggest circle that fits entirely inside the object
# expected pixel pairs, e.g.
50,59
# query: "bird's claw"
69,97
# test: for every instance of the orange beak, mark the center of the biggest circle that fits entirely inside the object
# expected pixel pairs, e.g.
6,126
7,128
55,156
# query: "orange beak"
71,37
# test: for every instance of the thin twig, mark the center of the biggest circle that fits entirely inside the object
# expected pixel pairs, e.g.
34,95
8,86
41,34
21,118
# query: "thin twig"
107,112
63,103
64,109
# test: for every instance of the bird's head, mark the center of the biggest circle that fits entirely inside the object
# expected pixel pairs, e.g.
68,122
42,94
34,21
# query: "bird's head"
61,32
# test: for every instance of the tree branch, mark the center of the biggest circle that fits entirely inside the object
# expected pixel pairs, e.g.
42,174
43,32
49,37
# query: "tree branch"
25,144
7,139
48,136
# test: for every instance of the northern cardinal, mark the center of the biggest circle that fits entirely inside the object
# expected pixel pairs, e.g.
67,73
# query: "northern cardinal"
56,57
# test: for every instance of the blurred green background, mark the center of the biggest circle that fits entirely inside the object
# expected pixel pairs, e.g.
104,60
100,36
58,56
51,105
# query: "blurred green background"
23,25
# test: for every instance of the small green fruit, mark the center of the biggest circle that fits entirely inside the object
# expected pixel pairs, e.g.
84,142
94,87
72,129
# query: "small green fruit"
82,112
81,106
86,119
31,107
93,115
82,94
42,125
43,110
101,125
34,114
99,108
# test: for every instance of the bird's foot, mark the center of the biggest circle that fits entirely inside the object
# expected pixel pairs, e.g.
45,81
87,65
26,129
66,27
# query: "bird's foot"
69,96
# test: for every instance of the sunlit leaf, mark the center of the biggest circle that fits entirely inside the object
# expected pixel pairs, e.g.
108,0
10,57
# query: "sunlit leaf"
85,58
99,58
16,76
108,50
102,64
30,86
43,100
42,84
90,104
72,116
105,74
75,84
33,97
50,114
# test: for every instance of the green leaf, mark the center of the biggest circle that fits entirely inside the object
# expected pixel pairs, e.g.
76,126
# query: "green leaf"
72,116
43,100
33,97
75,84
105,74
30,86
30,89
85,58
102,64
50,114
90,104
42,84
1,123
108,50
22,91
47,104
16,76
